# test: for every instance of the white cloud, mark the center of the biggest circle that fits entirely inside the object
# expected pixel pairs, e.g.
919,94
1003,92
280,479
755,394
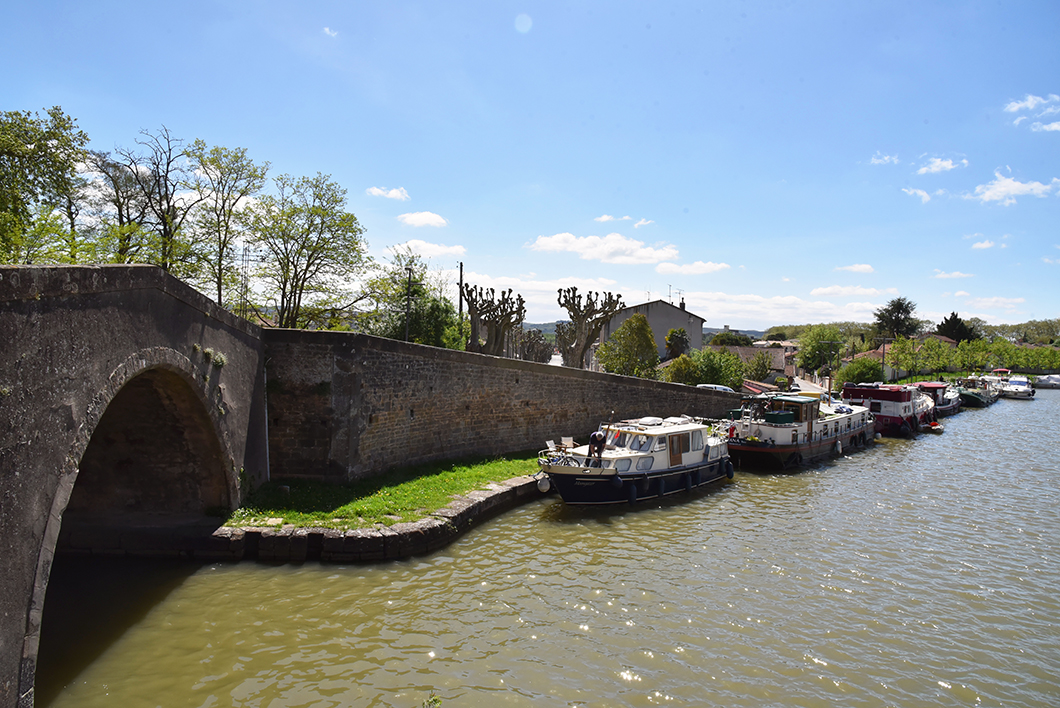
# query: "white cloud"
422,218
1039,127
697,268
1006,189
858,268
330,32
961,293
642,222
608,217
758,311
936,164
983,244
613,248
881,159
430,250
397,193
954,274
1019,120
851,291
924,196
995,303
1030,102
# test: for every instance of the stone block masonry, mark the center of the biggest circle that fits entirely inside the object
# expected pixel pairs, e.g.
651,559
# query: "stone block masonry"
344,406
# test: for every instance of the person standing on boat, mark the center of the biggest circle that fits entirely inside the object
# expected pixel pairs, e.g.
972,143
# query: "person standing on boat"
596,444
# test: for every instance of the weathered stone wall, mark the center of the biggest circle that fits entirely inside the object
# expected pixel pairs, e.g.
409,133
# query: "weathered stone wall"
346,406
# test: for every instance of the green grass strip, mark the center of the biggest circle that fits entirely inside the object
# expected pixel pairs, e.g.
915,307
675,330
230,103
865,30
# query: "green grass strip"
401,495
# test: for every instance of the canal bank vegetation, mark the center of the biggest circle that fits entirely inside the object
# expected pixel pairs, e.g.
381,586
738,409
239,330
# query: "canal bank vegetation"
401,495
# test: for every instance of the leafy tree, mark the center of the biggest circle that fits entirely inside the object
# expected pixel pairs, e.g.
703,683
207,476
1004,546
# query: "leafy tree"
973,354
731,339
895,319
587,318
776,335
224,180
682,369
498,315
163,178
955,328
759,367
677,343
119,209
38,172
631,349
312,246
402,295
719,366
818,346
902,354
935,355
863,370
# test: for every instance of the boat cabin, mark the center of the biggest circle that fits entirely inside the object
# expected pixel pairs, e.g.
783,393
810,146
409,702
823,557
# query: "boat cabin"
787,409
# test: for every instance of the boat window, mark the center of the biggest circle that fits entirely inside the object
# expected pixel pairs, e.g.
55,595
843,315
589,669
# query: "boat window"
644,463
622,465
697,439
874,406
639,442
714,451
619,438
660,444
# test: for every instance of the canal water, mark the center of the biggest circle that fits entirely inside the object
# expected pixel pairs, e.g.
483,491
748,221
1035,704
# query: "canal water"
922,572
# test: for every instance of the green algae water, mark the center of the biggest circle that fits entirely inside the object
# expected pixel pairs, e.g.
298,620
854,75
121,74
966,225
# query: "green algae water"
919,572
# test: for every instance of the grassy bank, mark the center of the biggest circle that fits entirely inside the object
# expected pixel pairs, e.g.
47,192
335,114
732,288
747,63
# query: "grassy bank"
400,495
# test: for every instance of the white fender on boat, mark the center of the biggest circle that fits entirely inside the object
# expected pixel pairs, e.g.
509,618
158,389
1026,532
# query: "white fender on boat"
543,484
838,447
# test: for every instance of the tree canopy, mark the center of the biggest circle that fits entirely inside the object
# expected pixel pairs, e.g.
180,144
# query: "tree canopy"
631,349
38,173
731,339
955,328
895,319
677,343
313,248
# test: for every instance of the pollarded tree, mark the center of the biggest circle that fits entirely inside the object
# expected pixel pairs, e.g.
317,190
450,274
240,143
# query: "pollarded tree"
631,349
895,319
532,345
311,248
587,318
498,315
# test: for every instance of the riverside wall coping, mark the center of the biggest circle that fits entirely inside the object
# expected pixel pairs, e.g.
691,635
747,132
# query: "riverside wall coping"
288,544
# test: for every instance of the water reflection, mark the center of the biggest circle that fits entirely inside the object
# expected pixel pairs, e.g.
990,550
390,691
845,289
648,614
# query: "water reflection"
915,572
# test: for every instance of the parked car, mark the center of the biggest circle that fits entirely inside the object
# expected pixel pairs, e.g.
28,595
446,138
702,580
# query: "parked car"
716,387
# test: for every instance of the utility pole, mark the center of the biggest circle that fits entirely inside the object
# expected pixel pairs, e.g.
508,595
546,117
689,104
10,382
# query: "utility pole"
835,351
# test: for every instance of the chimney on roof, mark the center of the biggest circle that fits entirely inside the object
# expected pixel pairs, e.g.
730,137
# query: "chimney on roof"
682,303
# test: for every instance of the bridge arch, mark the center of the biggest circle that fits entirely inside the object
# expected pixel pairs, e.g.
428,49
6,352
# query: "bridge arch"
149,444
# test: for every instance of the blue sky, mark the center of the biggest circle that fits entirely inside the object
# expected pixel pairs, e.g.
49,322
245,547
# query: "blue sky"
769,162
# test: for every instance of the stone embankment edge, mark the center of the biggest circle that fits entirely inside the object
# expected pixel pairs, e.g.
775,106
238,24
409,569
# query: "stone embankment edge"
288,544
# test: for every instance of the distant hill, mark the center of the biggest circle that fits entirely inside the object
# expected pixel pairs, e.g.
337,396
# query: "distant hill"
755,334
549,328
